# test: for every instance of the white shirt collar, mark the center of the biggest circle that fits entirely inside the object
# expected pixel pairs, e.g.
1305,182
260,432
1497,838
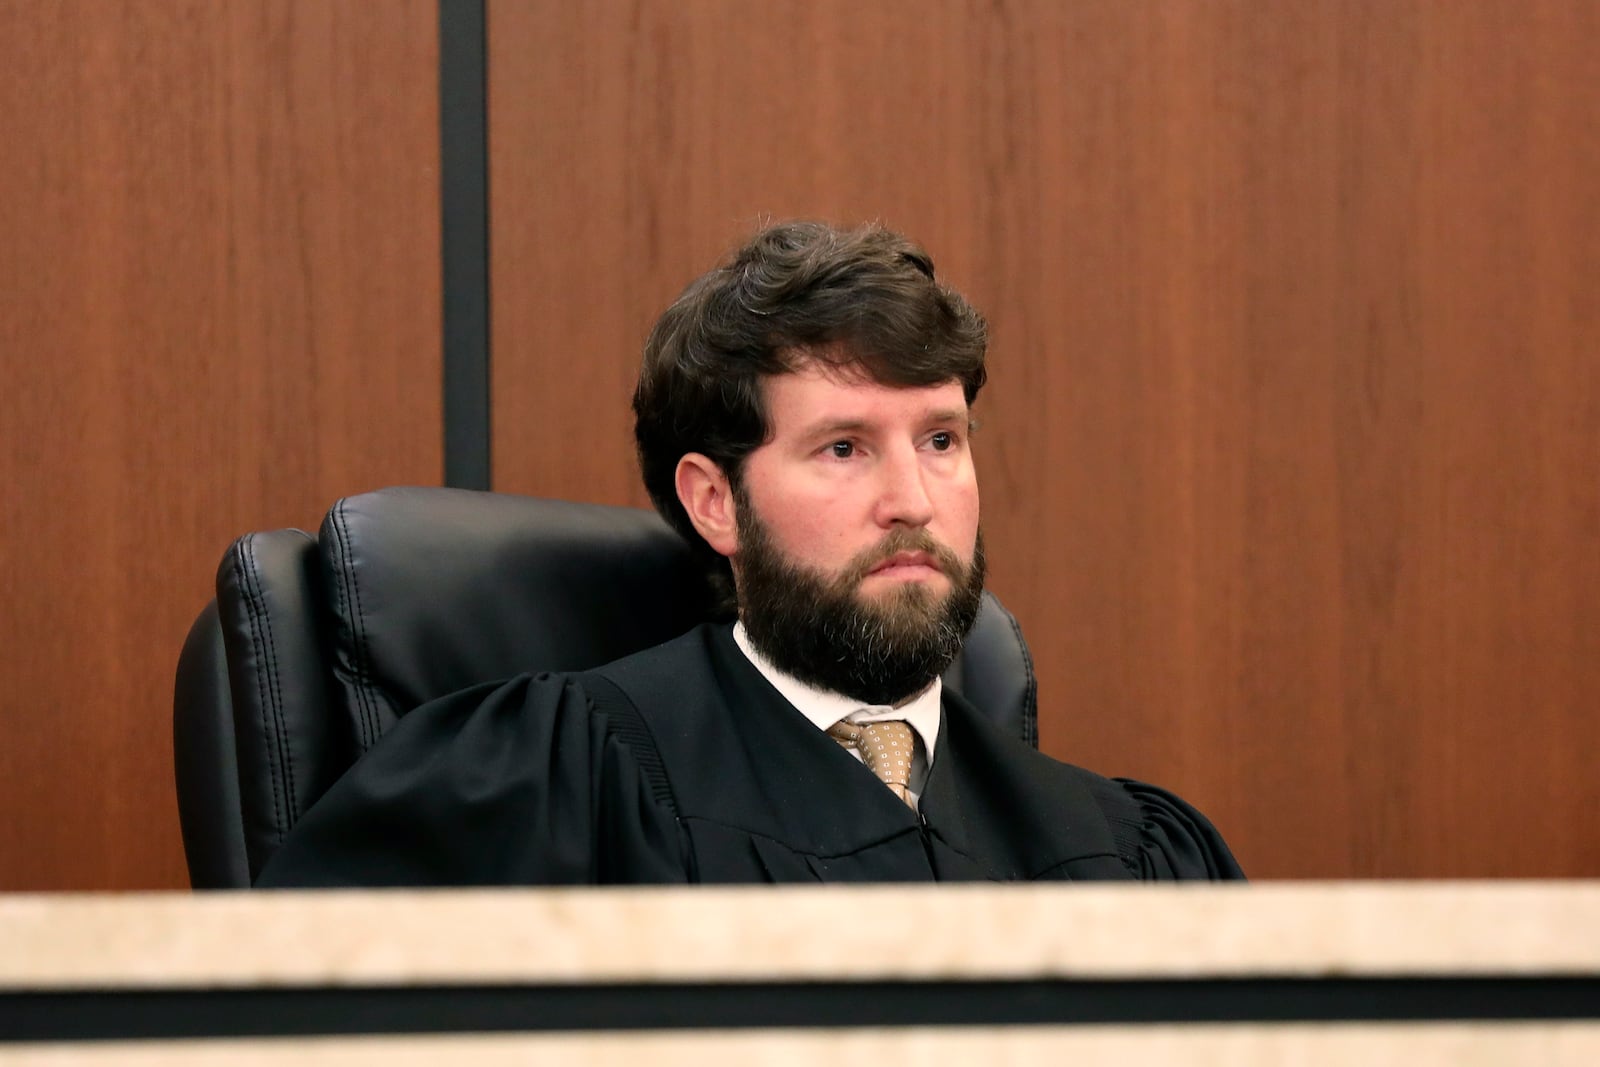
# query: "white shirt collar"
824,707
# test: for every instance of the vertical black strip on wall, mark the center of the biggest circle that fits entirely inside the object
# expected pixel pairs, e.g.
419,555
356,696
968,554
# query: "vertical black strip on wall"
464,199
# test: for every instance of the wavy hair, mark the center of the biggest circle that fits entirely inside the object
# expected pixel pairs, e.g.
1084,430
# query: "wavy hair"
865,300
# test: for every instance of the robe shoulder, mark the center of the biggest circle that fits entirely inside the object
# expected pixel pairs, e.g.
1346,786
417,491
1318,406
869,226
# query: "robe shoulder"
1161,837
512,783
1154,835
1023,815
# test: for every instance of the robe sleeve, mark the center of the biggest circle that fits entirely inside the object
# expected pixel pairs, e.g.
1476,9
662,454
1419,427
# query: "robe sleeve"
517,783
1171,840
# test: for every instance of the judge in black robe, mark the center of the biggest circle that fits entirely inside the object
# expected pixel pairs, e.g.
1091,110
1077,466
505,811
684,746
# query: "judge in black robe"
684,764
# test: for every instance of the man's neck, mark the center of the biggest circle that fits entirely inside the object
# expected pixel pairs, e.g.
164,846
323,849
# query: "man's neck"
824,707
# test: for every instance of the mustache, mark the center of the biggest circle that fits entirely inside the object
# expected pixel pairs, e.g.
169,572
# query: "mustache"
901,539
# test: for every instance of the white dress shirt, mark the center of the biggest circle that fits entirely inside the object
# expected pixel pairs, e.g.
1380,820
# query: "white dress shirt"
825,707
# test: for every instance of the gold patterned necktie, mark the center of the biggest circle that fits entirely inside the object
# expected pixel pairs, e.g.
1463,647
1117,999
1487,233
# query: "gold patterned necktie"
886,749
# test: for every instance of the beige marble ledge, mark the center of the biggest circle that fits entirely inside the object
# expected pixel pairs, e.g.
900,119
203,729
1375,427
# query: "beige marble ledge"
1265,1045
891,932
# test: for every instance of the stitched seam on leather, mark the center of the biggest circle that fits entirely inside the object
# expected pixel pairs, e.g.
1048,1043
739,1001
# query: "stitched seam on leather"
241,573
285,749
365,709
1030,707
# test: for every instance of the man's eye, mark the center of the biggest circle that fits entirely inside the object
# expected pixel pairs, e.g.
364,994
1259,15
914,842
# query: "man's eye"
942,441
843,449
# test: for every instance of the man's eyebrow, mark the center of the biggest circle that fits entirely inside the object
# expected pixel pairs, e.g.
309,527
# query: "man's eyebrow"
823,427
828,426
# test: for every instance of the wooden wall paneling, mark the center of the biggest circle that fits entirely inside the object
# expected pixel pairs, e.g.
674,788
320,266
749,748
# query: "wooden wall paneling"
1289,454
1509,659
221,312
632,145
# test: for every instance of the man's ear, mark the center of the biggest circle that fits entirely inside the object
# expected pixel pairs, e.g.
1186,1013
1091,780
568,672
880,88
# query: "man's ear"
705,493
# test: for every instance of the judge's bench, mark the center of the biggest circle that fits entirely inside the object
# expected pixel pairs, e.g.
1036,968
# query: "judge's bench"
1307,973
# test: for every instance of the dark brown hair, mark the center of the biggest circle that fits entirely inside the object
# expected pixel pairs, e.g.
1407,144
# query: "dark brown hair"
863,299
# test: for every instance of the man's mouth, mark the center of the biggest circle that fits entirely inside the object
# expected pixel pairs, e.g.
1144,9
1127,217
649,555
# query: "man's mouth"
907,563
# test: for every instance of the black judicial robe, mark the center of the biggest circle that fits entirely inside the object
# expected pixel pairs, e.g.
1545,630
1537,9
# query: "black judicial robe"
683,764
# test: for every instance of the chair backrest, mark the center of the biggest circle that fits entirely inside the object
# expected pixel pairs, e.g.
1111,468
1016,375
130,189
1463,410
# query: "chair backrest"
314,646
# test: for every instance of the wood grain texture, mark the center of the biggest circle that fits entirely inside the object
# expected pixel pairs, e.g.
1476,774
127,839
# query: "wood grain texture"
221,312
1292,451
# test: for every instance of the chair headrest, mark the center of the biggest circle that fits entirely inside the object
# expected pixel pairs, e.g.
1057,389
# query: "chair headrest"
433,590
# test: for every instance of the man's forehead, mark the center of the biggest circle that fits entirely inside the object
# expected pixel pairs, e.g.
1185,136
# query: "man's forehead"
839,364
820,395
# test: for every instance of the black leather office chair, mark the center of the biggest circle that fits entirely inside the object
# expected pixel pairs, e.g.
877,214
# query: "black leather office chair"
314,646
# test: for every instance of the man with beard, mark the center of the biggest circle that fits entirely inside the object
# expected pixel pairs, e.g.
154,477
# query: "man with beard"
803,420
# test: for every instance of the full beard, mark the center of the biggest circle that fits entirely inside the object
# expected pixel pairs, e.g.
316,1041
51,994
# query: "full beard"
823,631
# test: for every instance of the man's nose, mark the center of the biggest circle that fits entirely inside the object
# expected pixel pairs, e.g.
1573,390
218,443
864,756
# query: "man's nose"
903,496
